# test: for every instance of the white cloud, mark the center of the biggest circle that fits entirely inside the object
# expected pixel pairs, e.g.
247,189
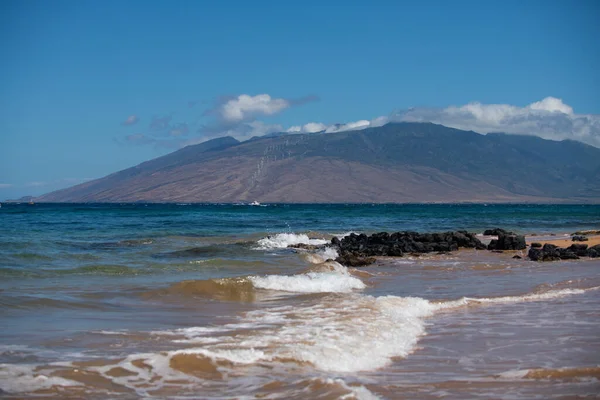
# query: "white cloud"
131,120
350,126
549,118
551,104
311,127
245,107
379,121
6,185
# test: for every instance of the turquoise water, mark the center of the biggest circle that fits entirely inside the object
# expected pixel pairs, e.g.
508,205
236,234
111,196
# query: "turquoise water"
44,240
83,282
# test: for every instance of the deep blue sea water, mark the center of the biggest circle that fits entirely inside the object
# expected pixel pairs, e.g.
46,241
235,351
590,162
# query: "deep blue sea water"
134,220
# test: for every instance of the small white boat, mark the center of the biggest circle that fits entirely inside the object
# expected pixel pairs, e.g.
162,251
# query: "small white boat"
255,203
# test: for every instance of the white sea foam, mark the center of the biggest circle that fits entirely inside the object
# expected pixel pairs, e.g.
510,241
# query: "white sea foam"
311,282
238,356
549,295
336,280
283,240
158,372
320,256
514,374
328,253
10,348
338,334
356,392
23,378
347,334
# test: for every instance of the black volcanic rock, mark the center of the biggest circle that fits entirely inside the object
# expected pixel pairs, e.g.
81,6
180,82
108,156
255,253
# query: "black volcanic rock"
508,242
548,252
353,260
497,232
579,238
304,246
361,246
594,251
551,252
579,249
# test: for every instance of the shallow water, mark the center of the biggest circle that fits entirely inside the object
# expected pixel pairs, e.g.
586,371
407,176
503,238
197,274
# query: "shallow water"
204,301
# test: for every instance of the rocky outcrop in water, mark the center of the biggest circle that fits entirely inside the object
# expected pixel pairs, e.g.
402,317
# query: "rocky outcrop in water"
304,246
550,252
360,249
508,242
497,232
353,260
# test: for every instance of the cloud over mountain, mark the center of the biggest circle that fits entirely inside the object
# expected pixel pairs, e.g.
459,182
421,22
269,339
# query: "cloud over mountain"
242,117
549,118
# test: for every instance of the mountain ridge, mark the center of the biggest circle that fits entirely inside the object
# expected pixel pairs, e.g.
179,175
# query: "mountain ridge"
394,163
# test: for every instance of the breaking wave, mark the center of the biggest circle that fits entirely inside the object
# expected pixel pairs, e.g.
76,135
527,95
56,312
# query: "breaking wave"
311,282
225,289
283,240
343,332
330,277
23,378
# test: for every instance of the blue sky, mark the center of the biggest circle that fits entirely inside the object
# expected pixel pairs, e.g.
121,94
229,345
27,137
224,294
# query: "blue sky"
89,88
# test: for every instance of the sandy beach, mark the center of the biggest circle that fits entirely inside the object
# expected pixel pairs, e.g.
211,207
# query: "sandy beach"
563,242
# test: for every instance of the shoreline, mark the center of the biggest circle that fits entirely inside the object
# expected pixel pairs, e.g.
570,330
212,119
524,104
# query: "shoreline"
361,250
562,242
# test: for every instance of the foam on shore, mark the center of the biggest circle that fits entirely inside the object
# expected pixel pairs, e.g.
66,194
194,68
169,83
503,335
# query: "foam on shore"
311,282
344,332
283,240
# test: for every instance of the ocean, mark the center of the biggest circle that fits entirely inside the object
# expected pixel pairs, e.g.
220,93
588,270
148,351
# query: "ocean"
194,301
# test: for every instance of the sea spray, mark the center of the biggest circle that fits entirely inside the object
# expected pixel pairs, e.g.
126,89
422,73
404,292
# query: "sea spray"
283,240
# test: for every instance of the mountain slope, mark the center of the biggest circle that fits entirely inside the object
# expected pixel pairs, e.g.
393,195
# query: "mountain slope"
405,162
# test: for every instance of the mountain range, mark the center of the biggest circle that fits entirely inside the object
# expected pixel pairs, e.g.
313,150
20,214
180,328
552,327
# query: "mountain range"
395,163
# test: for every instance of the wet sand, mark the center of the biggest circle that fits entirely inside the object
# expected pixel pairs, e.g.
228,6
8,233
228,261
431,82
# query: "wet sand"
563,242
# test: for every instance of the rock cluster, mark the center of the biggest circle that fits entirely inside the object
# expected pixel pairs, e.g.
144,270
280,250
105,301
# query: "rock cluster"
508,242
550,252
579,238
356,250
497,232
